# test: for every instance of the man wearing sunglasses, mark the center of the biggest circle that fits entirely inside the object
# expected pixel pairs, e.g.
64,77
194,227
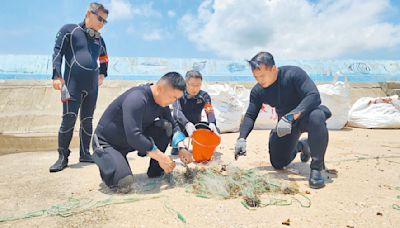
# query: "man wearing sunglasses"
298,103
86,62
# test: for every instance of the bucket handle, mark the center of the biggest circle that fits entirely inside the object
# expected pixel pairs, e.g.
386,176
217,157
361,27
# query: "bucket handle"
190,138
202,124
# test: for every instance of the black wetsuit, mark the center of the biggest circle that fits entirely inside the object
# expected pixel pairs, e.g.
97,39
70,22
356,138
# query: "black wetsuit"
187,109
129,124
82,70
293,92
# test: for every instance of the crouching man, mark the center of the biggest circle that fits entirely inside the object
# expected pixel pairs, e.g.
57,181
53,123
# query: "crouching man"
298,104
188,108
139,120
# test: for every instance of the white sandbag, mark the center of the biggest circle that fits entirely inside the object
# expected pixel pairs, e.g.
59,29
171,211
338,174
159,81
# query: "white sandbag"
336,98
370,112
267,118
227,107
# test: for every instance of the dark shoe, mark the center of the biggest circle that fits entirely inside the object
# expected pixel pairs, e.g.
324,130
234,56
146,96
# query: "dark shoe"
305,150
62,161
125,184
316,180
86,157
155,173
174,151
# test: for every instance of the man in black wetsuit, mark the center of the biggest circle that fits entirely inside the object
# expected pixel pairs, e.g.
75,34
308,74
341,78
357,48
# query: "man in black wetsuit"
298,104
187,110
139,120
82,46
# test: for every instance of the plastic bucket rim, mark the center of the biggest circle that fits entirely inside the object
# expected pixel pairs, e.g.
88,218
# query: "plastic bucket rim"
200,144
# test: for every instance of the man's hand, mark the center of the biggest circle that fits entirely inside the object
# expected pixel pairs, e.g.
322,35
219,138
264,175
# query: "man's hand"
101,79
240,148
58,82
165,162
190,128
284,127
185,156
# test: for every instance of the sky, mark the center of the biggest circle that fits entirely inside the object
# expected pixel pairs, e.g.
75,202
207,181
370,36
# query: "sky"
223,29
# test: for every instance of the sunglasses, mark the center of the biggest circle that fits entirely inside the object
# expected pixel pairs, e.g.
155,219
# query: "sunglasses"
99,18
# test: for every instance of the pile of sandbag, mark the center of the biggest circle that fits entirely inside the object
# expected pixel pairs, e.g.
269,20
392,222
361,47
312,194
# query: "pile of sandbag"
231,101
336,98
381,112
228,107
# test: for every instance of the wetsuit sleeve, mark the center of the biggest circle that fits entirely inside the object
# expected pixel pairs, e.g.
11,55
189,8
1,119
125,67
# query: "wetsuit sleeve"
308,91
167,116
208,108
133,109
62,42
103,58
178,113
251,114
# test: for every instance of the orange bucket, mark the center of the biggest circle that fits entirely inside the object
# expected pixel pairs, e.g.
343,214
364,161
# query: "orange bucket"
204,143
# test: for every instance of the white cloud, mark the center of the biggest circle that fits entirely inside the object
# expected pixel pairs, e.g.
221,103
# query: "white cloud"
146,10
124,10
291,28
155,34
120,10
152,35
171,13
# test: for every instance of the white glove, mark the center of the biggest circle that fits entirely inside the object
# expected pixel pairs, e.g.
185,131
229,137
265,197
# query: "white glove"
284,127
240,148
213,128
190,128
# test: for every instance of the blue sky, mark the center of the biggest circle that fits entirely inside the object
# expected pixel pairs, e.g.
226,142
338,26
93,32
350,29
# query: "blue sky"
290,29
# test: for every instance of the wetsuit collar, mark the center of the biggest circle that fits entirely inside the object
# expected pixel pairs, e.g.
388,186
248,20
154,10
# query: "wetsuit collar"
186,94
148,89
82,24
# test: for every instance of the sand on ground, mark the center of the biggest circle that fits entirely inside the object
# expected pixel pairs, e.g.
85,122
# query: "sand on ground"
361,195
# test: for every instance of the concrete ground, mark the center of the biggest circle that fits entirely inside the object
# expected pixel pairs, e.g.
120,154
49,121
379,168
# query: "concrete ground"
364,193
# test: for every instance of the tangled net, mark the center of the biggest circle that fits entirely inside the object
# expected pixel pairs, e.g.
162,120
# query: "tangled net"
227,182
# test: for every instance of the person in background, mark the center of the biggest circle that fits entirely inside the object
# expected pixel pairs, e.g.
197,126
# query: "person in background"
187,110
83,47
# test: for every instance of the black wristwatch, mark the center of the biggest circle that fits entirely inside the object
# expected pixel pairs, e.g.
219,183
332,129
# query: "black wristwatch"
182,147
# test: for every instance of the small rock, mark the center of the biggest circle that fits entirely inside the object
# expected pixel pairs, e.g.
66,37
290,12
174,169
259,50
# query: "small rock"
286,222
379,213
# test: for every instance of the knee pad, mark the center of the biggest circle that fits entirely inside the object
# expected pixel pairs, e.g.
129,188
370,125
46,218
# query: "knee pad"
68,122
277,165
317,117
278,162
326,111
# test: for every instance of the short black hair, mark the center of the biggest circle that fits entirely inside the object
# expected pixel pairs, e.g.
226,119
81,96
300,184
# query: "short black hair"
265,58
175,80
193,74
96,7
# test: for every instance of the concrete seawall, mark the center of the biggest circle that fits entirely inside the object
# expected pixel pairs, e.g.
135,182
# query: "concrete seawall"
31,110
